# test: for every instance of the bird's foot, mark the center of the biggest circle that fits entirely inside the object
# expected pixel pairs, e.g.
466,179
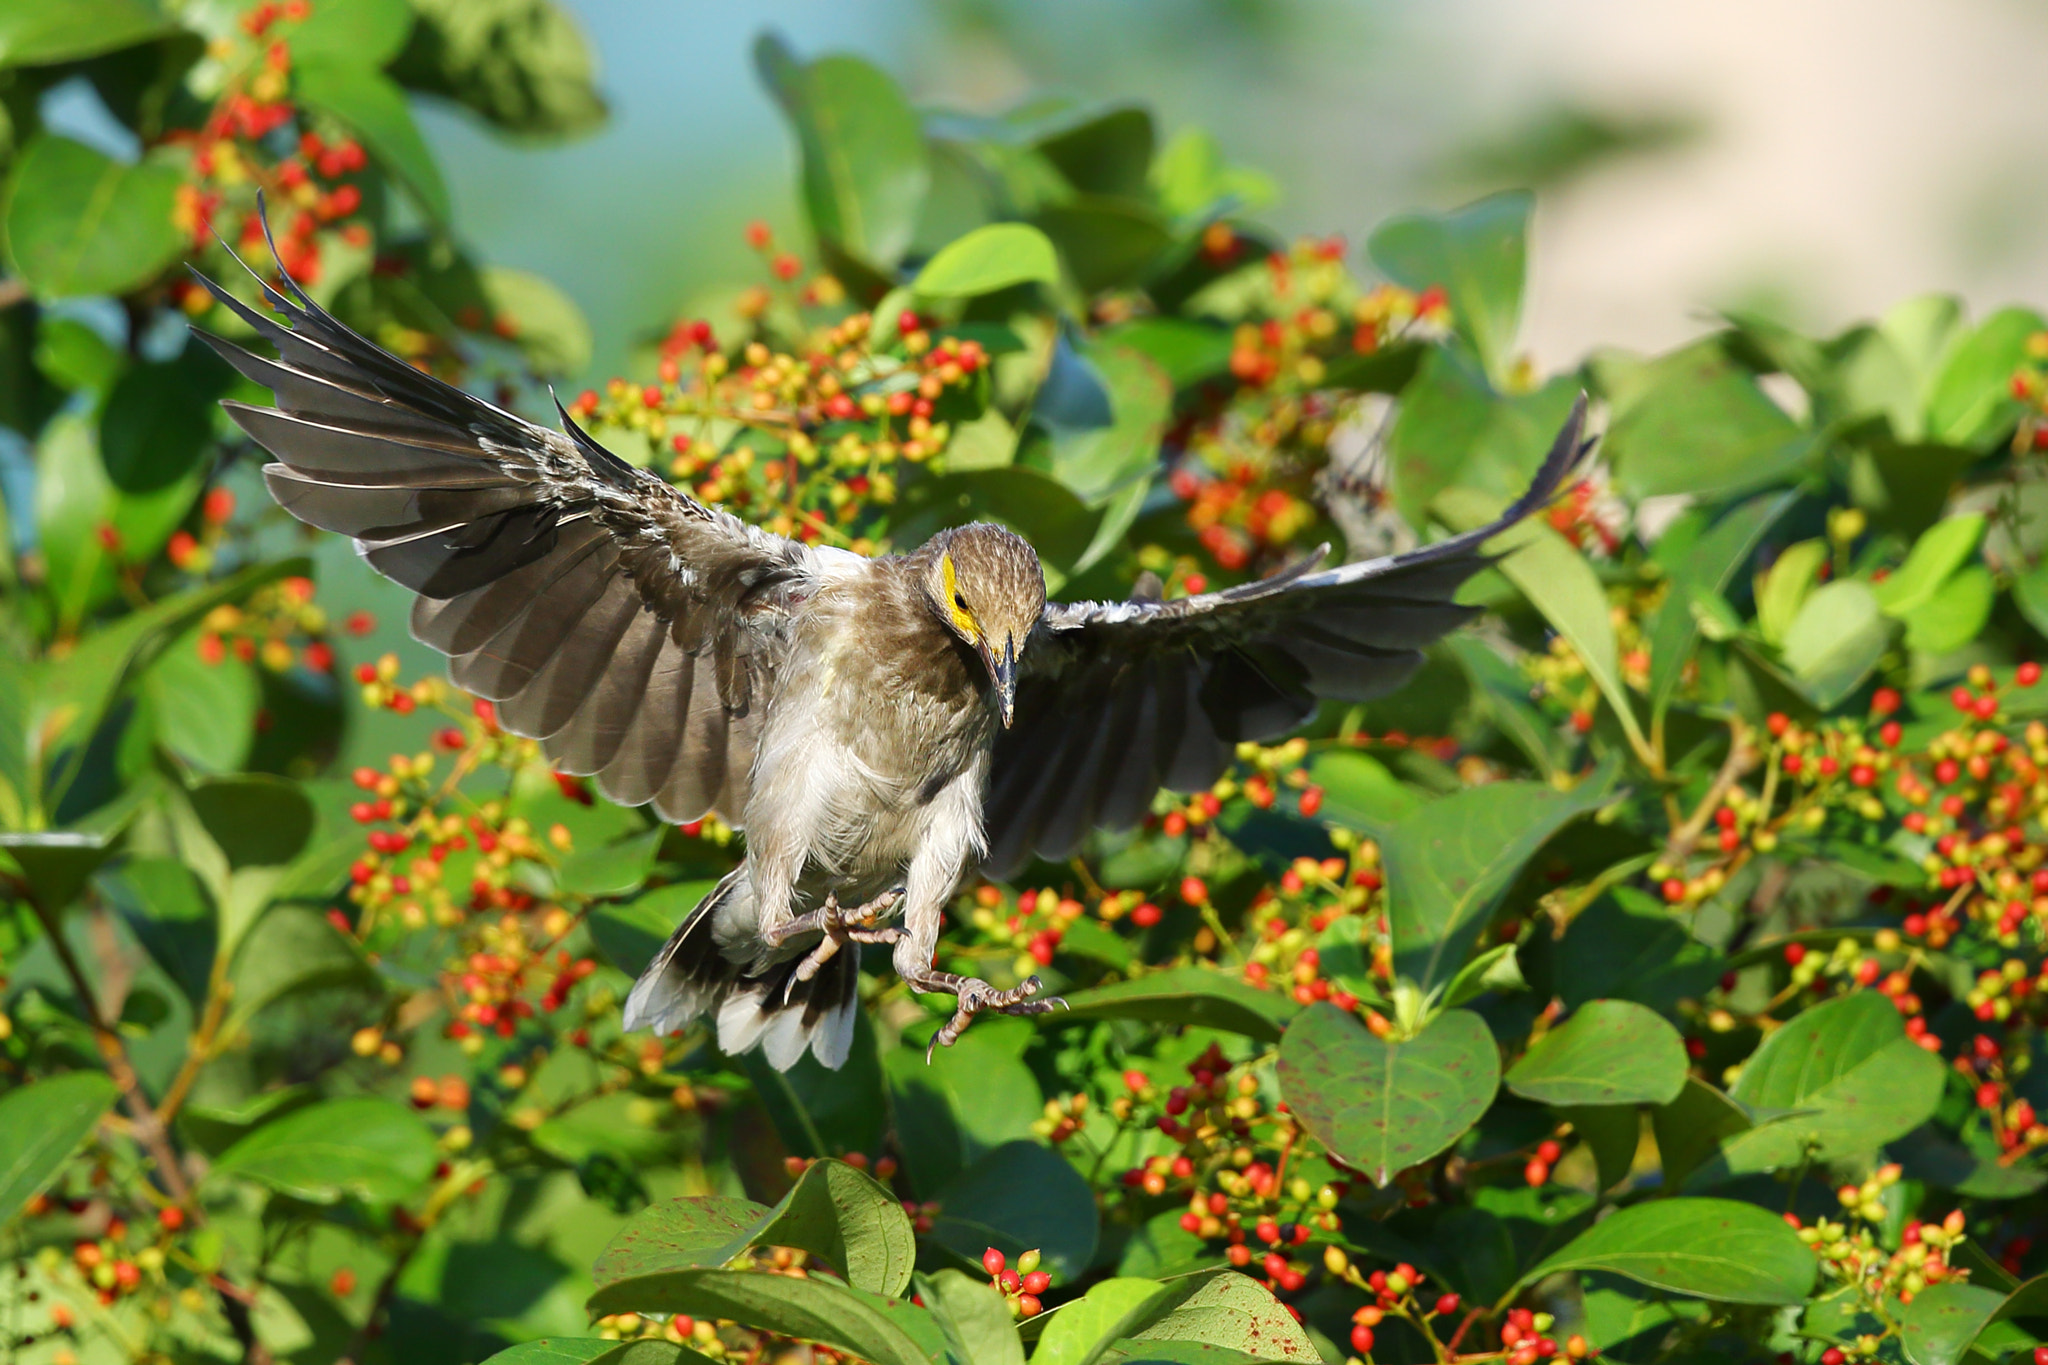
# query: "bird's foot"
978,997
841,925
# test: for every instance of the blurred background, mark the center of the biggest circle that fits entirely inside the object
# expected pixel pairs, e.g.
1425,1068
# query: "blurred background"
1821,158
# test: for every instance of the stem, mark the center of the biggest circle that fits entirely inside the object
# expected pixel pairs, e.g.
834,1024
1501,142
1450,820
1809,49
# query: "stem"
458,1180
1742,756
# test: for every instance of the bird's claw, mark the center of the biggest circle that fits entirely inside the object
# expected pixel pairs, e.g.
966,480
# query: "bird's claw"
840,925
978,997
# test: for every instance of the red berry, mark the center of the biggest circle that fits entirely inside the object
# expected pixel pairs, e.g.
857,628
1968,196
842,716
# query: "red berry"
1795,953
1884,701
1146,915
1193,890
1361,1339
1447,1304
2027,674
1037,1282
992,1261
1777,723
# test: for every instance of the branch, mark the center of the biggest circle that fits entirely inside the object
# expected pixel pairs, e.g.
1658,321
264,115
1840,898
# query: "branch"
1742,756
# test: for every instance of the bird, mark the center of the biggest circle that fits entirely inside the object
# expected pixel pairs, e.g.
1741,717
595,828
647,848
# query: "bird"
882,728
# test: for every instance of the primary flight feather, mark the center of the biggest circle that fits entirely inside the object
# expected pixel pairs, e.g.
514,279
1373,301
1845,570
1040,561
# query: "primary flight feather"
881,728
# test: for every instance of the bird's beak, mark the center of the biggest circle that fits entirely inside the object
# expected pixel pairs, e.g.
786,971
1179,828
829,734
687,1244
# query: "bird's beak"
1004,671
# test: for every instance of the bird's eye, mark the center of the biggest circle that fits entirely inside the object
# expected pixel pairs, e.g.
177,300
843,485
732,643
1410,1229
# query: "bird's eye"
959,601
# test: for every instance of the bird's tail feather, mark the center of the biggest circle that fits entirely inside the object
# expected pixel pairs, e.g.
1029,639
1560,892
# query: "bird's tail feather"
754,1006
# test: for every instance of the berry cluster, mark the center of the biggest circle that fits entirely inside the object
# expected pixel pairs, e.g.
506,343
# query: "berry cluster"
1020,1285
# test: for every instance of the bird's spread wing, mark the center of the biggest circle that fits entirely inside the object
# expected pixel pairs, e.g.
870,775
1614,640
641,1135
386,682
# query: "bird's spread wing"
628,627
1123,698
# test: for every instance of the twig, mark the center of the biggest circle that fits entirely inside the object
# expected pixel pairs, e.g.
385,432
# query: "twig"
1742,756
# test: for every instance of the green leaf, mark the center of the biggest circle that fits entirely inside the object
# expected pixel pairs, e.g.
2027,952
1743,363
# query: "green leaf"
165,907
374,106
1836,639
80,222
1941,1322
1020,1196
367,33
1453,430
820,1112
258,820
1076,1331
610,869
56,864
1696,423
1712,561
1192,178
543,322
1939,552
1478,254
886,1332
1956,614
1708,1248
974,1098
1230,1311
837,1213
987,259
554,1351
1187,350
1193,996
1107,243
1557,580
1449,863
1850,1073
1096,462
1785,587
1613,1132
1971,400
33,34
1358,791
1690,1129
1104,152
41,1124
75,506
524,66
979,1317
1628,946
865,171
158,424
368,1149
288,950
205,713
1608,1052
1379,1105
1496,969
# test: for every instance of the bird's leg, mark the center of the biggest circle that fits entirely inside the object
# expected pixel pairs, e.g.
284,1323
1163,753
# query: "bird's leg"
977,997
840,925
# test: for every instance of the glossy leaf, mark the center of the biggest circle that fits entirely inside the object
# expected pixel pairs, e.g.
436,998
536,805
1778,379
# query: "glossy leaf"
258,820
1784,588
610,869
884,1331
374,106
1449,863
38,34
1478,254
41,1124
1712,562
864,164
1233,1312
1941,550
543,322
56,865
368,1149
1849,1073
1383,1106
1077,1330
987,259
1184,995
1835,640
1708,1248
1020,1196
1608,1052
1696,424
1941,1322
978,1317
80,222
1971,400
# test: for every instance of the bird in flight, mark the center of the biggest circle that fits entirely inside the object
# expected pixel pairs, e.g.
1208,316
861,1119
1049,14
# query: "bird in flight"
881,728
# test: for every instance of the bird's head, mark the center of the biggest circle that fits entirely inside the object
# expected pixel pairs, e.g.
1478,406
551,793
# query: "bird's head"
987,586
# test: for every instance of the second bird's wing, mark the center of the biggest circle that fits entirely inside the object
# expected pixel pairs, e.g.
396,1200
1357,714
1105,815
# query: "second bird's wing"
1120,699
628,627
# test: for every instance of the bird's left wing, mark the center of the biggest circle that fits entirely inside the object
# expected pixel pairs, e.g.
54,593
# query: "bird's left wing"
631,629
1120,699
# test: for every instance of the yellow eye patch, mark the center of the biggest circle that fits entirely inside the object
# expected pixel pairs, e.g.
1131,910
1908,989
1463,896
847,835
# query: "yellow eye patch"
963,619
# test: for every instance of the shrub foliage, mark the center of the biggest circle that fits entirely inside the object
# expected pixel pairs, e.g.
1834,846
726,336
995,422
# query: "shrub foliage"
1656,975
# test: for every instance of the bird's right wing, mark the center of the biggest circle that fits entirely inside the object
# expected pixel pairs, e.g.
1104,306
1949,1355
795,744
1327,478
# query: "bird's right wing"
628,627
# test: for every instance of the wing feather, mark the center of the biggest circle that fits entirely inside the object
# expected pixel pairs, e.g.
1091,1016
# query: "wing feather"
615,619
1121,698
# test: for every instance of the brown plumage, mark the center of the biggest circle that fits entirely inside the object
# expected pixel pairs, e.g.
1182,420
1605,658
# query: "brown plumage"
880,727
